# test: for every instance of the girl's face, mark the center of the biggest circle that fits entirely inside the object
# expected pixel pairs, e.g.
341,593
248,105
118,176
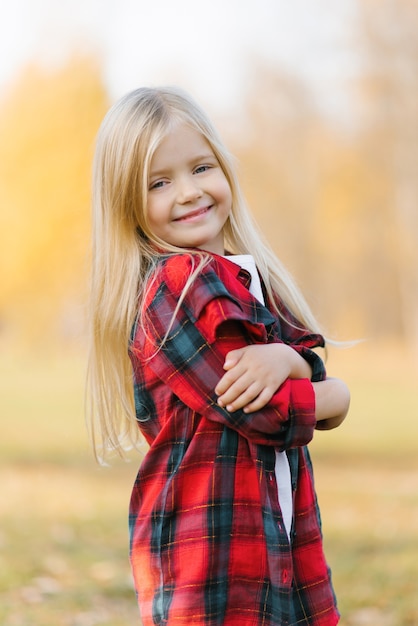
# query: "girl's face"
189,198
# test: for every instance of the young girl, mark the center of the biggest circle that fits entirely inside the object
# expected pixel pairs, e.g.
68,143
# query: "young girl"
209,356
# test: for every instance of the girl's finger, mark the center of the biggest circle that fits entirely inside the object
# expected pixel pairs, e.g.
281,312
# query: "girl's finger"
260,402
230,361
235,391
232,358
243,399
228,380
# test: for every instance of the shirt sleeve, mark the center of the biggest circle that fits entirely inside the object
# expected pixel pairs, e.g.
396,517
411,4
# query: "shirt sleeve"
213,319
303,341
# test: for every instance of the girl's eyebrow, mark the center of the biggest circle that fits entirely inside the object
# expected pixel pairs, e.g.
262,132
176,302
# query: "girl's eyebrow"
204,156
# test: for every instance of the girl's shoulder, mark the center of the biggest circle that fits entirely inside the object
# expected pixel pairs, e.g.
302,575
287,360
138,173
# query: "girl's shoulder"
195,280
177,270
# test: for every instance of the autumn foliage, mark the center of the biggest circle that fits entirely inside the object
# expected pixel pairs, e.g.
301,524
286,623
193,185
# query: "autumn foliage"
338,202
48,121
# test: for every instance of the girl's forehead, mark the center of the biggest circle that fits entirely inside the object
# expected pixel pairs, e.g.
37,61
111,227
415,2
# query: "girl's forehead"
181,141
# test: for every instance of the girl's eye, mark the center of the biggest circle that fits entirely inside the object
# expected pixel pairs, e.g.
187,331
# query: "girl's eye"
201,168
157,185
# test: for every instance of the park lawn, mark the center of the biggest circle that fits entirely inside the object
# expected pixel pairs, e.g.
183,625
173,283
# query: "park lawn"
63,533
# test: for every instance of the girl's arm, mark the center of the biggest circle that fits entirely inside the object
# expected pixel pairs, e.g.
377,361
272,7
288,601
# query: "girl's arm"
184,347
332,401
254,374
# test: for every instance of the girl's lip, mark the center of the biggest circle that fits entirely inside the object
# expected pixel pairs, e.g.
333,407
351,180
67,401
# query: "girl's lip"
193,214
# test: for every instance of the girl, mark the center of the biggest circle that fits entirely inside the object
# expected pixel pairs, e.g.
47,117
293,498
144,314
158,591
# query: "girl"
224,523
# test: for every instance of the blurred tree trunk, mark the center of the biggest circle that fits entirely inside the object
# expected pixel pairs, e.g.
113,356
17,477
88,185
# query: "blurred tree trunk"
390,96
278,163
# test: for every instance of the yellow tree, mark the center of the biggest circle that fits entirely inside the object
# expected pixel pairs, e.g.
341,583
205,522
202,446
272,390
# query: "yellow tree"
277,163
48,121
389,95
297,172
339,204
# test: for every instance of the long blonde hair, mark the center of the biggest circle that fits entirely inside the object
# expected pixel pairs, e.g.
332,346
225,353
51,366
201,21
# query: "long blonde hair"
125,251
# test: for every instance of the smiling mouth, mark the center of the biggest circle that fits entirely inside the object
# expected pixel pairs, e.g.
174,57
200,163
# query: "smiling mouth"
193,214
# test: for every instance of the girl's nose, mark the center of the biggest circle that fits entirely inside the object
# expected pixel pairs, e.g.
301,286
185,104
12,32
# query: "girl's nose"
188,190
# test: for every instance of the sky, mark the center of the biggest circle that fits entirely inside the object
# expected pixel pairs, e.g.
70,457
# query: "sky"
204,47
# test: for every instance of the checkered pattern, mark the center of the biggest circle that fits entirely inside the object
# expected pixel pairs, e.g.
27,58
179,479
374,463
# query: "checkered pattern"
208,544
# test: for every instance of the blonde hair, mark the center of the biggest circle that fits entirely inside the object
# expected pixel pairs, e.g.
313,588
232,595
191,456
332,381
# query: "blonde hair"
125,251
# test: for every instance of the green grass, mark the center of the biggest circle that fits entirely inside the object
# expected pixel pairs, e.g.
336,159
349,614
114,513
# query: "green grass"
63,532
64,549
366,475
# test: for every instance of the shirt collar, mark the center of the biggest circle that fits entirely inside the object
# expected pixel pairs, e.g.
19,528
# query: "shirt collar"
240,273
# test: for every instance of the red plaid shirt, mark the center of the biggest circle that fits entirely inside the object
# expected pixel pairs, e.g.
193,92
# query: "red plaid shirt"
208,544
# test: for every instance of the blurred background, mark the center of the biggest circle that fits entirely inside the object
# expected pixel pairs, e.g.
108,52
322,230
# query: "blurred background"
318,100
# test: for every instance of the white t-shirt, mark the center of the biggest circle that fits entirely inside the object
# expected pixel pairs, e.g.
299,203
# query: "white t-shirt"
282,468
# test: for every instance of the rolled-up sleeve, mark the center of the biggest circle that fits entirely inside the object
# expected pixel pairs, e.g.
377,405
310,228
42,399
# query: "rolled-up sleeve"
211,321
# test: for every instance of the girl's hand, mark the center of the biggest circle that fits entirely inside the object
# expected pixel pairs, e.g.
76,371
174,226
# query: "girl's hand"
255,372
